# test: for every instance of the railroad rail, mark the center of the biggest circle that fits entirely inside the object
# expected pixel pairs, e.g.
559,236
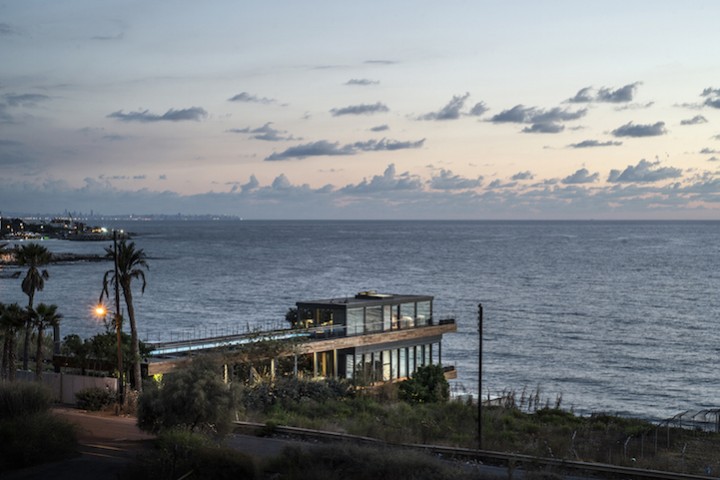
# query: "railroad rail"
600,470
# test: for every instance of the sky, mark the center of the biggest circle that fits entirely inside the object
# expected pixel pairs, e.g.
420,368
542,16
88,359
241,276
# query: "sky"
363,110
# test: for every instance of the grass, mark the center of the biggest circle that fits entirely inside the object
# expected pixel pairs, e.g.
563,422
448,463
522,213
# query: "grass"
522,424
30,433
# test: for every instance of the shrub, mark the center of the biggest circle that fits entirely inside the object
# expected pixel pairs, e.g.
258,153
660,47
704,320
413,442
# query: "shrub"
179,451
94,398
195,398
427,385
35,438
17,399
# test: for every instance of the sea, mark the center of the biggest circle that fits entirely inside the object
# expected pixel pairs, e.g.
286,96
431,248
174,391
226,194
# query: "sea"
605,317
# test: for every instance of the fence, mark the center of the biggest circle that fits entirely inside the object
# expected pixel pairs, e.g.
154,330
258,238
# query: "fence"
64,386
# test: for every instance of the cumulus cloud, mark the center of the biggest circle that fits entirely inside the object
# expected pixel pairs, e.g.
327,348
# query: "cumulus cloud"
266,133
362,109
542,121
451,111
478,109
380,128
246,97
697,119
446,180
709,151
517,114
594,143
712,97
632,130
644,172
548,127
361,82
581,176
172,115
527,175
606,95
325,148
389,181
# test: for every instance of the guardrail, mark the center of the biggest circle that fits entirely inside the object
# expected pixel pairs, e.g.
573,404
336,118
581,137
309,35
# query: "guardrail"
484,456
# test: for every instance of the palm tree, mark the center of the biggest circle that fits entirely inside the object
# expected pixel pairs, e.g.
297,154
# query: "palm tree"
12,318
130,262
32,255
45,316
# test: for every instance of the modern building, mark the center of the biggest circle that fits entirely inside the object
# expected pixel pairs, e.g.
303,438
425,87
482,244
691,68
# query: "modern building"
372,337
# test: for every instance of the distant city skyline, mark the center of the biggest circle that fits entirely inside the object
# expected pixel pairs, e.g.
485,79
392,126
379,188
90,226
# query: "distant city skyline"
326,110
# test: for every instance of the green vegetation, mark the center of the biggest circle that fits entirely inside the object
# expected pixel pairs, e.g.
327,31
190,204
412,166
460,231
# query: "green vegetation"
94,398
30,433
195,398
179,452
12,319
129,264
45,316
34,256
427,385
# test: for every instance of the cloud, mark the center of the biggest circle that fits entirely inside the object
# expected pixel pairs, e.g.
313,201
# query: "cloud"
451,111
632,130
380,62
380,128
325,148
581,176
389,181
542,121
363,109
713,159
446,180
548,127
606,95
172,115
709,151
6,29
517,114
362,82
527,175
246,97
479,109
644,172
25,100
266,133
697,119
594,143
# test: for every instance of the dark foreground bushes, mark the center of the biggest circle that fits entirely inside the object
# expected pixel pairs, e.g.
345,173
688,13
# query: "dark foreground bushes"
30,433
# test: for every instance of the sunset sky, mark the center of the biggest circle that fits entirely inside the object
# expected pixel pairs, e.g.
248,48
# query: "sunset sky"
327,109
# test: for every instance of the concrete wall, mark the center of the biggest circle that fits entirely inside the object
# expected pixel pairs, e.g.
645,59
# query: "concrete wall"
65,386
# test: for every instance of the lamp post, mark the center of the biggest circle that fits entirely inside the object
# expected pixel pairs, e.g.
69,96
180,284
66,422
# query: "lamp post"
480,355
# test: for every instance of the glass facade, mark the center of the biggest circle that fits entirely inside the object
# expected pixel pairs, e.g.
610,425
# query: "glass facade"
373,319
355,321
391,364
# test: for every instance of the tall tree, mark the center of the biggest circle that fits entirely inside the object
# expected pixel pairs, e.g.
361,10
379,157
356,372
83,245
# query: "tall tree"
130,265
12,318
33,256
45,316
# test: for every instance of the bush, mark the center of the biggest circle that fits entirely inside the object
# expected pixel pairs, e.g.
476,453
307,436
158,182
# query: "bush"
195,398
18,399
427,385
35,438
179,451
94,398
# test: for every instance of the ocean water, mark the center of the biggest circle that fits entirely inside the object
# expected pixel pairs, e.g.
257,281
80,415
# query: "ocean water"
617,317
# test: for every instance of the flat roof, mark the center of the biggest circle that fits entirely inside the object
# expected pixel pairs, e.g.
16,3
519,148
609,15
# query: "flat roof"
368,298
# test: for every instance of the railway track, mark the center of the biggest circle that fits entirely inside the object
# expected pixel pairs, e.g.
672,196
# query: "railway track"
525,462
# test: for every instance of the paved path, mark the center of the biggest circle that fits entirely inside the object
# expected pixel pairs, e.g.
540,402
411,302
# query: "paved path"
106,444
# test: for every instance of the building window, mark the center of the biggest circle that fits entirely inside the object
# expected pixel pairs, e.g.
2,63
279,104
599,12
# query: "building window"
373,319
394,363
355,321
403,363
388,317
386,373
407,315
423,313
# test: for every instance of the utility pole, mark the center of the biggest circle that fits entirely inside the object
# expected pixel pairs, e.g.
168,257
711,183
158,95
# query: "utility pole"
480,356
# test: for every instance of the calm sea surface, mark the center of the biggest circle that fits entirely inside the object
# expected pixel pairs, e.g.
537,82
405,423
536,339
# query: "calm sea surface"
618,317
